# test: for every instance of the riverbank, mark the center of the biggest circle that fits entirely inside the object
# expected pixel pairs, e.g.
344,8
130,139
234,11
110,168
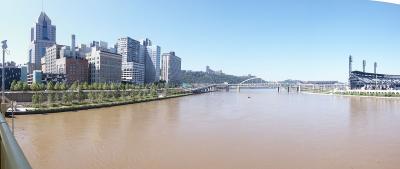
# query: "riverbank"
95,105
163,133
370,94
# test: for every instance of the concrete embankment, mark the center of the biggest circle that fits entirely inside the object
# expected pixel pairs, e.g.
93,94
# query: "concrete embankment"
93,105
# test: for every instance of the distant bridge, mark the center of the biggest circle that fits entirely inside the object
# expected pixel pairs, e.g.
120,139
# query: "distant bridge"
258,83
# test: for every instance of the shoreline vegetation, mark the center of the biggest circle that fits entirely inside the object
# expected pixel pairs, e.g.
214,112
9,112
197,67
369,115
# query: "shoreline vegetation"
95,105
61,97
359,93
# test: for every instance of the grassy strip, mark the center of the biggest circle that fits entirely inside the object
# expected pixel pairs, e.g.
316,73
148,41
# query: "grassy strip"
319,91
373,94
368,94
94,105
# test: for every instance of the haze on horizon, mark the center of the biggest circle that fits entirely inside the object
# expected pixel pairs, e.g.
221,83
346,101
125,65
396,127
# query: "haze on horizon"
274,40
389,1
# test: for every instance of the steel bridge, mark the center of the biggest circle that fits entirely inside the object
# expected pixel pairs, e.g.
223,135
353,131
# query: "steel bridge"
258,83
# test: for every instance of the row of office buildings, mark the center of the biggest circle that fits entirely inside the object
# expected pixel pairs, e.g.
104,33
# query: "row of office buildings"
128,61
12,72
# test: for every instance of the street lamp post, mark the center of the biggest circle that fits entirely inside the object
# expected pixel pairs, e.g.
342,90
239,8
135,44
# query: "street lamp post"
4,47
3,103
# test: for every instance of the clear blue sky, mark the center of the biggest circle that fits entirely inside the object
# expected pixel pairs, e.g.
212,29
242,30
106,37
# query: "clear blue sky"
273,39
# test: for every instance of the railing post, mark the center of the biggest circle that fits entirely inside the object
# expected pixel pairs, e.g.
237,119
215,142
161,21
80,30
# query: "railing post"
11,155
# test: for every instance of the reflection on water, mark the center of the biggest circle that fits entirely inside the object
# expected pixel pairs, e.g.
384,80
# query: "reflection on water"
218,131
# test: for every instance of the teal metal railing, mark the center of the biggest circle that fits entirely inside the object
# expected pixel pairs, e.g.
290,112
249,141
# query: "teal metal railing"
11,155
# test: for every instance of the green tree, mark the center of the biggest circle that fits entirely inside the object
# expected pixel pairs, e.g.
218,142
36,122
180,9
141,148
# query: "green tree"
113,86
105,86
93,86
35,99
64,97
123,95
91,96
63,86
123,86
51,98
26,87
13,86
161,83
154,92
101,96
42,86
130,86
85,86
133,94
74,86
141,94
80,95
114,94
20,86
50,86
69,97
57,86
41,98
35,87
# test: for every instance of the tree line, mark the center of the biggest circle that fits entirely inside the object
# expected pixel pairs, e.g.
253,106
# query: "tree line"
60,86
113,93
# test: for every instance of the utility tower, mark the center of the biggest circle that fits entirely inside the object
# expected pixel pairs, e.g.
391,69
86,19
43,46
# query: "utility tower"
364,65
350,68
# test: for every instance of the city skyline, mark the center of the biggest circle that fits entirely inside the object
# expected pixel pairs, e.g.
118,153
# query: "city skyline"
306,42
128,61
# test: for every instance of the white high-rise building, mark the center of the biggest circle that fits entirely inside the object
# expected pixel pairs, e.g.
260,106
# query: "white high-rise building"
104,66
155,56
132,53
43,35
152,61
171,68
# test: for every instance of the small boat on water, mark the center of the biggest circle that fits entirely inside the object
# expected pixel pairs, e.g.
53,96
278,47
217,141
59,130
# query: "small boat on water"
17,110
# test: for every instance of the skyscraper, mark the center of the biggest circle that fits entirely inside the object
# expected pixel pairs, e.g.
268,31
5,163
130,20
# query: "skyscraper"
152,61
104,65
43,35
132,60
171,68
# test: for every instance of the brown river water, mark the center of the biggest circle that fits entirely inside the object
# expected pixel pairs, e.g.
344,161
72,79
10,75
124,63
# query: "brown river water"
220,130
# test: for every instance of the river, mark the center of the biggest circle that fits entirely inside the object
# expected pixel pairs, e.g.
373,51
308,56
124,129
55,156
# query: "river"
253,129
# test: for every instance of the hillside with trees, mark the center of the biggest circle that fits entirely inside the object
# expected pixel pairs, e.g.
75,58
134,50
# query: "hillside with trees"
204,77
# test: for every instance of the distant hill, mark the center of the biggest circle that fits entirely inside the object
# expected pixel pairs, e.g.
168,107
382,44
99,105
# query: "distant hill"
204,77
290,81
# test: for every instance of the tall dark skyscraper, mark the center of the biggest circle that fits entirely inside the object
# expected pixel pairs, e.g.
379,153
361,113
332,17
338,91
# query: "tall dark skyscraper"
43,35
